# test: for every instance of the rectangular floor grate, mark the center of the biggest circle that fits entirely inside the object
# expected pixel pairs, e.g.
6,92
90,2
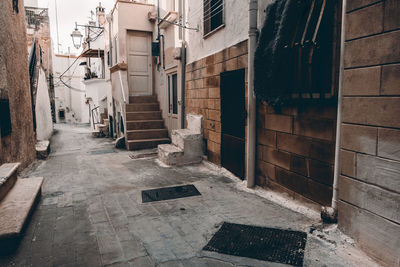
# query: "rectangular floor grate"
166,193
268,244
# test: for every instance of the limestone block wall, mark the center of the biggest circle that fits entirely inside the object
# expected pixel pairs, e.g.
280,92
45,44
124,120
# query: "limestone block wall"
296,150
203,91
369,185
19,146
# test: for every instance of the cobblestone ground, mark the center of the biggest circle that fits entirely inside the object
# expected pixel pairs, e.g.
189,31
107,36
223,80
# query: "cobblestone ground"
91,214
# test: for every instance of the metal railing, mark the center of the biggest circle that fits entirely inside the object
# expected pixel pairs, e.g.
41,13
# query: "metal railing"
95,115
32,61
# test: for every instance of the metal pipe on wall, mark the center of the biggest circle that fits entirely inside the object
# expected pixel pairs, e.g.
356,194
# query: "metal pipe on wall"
329,214
251,99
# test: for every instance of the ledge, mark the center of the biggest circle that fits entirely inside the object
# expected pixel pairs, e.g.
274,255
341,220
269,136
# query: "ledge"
119,66
168,19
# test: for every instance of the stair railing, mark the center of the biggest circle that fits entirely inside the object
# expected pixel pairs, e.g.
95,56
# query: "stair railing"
95,115
32,61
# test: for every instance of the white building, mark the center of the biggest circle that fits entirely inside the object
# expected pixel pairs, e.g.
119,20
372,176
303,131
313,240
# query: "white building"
70,100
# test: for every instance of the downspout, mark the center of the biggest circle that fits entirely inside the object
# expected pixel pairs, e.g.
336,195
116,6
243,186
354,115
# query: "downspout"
183,62
329,214
251,99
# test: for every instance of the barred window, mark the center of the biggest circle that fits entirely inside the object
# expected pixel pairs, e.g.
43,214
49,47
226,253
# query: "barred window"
213,15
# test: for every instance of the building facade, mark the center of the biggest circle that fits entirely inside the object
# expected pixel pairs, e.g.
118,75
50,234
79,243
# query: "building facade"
199,64
17,141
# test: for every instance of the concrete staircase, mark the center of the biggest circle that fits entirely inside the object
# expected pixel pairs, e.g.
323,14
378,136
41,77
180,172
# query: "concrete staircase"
144,124
187,144
17,201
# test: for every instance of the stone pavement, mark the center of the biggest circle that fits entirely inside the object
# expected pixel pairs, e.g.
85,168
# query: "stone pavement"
91,214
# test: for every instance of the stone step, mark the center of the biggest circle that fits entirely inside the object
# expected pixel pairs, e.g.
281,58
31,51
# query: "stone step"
147,134
170,154
146,143
144,124
147,115
42,149
8,176
142,107
185,138
143,99
15,211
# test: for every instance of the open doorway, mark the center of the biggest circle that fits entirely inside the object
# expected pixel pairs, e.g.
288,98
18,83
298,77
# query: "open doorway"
233,121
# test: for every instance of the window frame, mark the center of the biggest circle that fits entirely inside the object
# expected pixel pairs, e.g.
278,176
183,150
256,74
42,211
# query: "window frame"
222,25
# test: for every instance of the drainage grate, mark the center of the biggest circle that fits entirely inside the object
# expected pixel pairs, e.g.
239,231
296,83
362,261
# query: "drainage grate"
268,244
169,193
99,152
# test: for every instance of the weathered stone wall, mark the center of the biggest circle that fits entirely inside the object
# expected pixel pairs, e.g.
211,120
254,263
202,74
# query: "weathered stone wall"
20,145
296,150
369,186
203,91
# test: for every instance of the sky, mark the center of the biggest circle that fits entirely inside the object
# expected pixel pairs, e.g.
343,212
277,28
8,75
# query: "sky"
68,12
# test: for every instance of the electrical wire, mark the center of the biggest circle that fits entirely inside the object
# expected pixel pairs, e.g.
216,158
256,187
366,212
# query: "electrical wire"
219,3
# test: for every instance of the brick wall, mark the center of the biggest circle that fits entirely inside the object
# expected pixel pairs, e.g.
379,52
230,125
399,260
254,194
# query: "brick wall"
203,91
369,185
295,150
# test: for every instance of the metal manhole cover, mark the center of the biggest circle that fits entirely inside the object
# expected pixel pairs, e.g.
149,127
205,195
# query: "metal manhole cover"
267,244
99,152
166,193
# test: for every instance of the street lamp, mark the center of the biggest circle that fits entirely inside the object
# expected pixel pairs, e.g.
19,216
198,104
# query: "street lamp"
76,37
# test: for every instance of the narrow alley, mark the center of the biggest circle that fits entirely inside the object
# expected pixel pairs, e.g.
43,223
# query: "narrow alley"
199,133
91,212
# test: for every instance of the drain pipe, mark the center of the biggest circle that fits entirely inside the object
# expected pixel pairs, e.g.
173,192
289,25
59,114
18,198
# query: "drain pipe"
251,99
329,214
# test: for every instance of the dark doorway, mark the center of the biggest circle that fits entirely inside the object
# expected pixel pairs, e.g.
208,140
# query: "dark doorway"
233,121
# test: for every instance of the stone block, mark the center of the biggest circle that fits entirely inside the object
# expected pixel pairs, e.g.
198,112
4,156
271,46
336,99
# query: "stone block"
266,169
356,25
294,144
363,81
373,233
169,154
276,157
391,80
392,15
212,81
359,138
214,115
298,164
320,171
304,186
348,163
377,111
354,4
266,137
382,172
8,177
320,129
231,64
281,123
389,143
242,61
376,49
214,92
194,123
370,197
42,149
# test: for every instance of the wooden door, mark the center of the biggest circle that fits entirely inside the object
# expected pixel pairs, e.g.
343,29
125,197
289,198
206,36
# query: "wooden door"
139,63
